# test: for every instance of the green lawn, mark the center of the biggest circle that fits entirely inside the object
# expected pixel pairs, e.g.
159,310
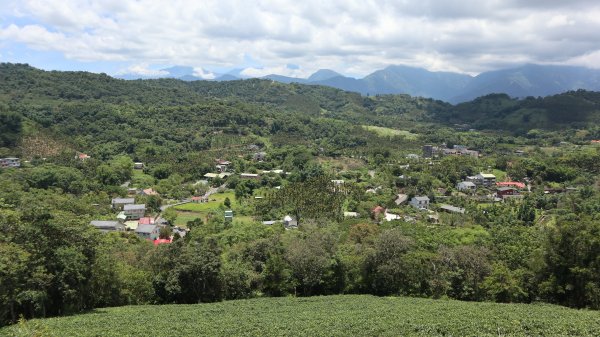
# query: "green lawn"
184,217
191,211
343,315
500,175
388,132
207,206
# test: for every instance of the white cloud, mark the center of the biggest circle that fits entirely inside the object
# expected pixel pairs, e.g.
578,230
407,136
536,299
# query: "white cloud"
143,70
591,59
204,74
278,70
350,36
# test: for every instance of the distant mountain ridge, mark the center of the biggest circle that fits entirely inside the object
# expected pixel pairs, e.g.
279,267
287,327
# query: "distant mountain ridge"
524,81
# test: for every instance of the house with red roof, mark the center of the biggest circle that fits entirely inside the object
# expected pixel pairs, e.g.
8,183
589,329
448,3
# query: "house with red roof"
514,184
377,210
82,156
162,241
146,221
149,191
200,199
504,192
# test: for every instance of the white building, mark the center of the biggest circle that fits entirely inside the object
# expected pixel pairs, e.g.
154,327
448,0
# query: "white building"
466,186
10,162
119,203
485,179
134,211
420,202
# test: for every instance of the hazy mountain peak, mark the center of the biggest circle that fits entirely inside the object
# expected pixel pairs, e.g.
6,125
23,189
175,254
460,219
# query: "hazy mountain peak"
322,75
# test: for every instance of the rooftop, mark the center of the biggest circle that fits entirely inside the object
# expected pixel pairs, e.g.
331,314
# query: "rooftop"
145,228
146,221
104,223
134,207
502,189
453,209
511,183
123,201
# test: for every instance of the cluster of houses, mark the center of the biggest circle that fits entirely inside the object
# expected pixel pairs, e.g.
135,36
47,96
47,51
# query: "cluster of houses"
430,151
223,169
504,190
10,162
472,182
131,217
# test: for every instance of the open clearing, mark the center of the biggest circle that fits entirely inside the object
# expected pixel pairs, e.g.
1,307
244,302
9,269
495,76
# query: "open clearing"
388,132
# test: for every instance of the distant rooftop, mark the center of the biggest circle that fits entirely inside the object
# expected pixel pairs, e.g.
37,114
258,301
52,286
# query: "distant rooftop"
134,207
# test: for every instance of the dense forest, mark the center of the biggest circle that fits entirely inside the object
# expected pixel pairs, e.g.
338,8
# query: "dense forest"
319,154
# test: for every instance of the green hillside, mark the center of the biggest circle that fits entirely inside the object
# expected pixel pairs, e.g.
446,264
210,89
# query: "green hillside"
576,109
349,315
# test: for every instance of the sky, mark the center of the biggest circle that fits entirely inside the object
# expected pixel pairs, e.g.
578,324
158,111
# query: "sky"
297,37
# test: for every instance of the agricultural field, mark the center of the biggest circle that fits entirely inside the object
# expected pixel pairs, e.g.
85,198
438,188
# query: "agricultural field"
388,132
342,315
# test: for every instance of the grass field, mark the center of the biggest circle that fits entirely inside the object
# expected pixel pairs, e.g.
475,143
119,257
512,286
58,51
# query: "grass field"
218,198
183,218
344,315
388,132
191,211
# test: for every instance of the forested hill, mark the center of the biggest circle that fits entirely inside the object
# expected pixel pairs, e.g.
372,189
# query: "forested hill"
25,90
22,83
575,109
172,120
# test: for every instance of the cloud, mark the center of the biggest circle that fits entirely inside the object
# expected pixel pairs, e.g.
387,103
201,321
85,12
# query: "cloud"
351,36
143,70
204,74
285,70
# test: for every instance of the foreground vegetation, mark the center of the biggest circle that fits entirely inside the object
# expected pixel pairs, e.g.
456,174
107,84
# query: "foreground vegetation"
323,316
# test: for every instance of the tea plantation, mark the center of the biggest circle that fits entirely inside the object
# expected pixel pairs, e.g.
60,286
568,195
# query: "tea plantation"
345,315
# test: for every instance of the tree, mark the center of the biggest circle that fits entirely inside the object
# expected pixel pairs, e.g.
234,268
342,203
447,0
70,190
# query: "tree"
317,198
14,271
526,211
170,214
503,285
227,202
189,273
165,232
10,127
123,167
463,270
386,268
277,277
310,259
572,268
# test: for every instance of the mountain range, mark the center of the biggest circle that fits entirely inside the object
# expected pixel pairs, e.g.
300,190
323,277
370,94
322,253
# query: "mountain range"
524,81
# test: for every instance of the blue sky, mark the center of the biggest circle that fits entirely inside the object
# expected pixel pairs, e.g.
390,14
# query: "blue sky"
296,38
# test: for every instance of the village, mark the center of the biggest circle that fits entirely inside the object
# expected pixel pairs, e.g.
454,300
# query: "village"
402,203
217,193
